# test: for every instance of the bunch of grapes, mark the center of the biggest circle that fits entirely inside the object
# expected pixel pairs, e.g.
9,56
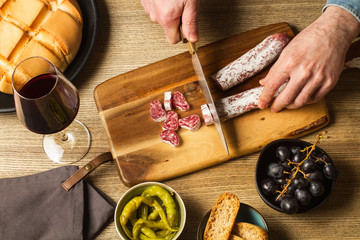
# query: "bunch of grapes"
297,177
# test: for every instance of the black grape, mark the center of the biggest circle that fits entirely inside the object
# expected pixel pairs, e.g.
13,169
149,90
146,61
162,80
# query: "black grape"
282,153
316,188
300,183
316,175
269,186
275,170
289,205
286,165
330,171
295,149
298,157
308,165
303,196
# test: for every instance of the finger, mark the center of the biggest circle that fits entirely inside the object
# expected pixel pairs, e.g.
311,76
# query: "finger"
288,95
172,31
274,80
321,93
190,21
304,96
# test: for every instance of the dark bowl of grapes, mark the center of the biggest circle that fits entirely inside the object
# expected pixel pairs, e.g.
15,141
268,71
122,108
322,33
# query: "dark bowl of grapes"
294,176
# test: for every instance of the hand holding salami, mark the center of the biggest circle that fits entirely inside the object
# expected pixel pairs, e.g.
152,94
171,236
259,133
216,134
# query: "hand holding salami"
312,62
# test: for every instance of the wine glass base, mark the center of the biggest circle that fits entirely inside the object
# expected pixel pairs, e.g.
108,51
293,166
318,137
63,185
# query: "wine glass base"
68,146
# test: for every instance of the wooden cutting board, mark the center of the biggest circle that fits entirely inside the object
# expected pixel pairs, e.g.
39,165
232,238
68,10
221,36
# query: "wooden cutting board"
123,105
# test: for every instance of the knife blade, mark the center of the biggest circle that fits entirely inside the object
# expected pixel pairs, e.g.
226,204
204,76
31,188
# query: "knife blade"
206,90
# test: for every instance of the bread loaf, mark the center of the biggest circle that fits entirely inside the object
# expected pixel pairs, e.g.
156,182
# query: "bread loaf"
249,231
222,217
48,28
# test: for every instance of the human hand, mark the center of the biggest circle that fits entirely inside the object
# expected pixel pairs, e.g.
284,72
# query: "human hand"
169,14
311,63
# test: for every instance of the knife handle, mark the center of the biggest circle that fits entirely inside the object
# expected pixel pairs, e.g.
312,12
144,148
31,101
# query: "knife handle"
191,46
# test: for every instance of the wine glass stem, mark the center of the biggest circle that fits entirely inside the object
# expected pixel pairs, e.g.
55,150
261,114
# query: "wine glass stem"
63,136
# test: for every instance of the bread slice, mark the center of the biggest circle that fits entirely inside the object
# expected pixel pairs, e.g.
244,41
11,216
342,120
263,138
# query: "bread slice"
234,237
222,217
249,231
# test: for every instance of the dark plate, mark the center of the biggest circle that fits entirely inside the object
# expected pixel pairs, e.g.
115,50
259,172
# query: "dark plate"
90,18
267,156
246,214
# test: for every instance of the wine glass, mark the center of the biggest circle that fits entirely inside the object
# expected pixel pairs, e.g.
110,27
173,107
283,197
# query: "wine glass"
46,102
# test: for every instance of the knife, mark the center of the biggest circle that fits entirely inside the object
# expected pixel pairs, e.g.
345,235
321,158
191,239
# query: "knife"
205,89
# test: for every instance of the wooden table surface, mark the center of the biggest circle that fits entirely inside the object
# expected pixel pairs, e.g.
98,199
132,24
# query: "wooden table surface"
127,40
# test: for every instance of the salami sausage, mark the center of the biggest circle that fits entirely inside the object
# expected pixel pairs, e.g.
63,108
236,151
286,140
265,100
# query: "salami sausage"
167,101
235,105
157,113
171,122
191,122
179,102
170,137
251,62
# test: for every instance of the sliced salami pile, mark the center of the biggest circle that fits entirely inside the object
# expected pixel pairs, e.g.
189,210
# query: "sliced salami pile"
170,118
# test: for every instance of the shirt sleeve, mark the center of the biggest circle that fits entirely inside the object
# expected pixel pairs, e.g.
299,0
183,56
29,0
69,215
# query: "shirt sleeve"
352,6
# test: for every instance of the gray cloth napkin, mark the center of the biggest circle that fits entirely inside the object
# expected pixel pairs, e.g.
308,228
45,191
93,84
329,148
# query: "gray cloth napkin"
37,207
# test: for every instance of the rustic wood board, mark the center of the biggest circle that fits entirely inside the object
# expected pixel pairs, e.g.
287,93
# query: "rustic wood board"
123,106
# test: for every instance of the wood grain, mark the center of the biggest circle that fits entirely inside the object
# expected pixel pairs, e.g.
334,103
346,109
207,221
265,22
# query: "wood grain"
133,136
128,40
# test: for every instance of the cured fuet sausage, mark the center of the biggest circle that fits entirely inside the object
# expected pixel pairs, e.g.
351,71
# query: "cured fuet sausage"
170,137
157,113
191,122
171,122
207,116
251,62
179,101
235,105
167,101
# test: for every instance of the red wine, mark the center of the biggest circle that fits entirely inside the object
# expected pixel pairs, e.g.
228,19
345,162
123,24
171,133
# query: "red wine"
47,103
38,86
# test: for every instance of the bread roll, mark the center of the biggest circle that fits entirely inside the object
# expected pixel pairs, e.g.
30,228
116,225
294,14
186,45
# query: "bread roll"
249,231
48,28
222,217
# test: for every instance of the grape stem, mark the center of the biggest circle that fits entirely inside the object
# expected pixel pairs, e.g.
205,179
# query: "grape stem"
308,153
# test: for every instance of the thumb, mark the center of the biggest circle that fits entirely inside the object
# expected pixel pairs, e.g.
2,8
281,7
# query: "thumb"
190,21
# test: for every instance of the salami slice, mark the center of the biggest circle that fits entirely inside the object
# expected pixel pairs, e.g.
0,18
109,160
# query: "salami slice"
235,105
251,62
207,116
191,122
171,122
157,113
179,102
170,137
167,101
